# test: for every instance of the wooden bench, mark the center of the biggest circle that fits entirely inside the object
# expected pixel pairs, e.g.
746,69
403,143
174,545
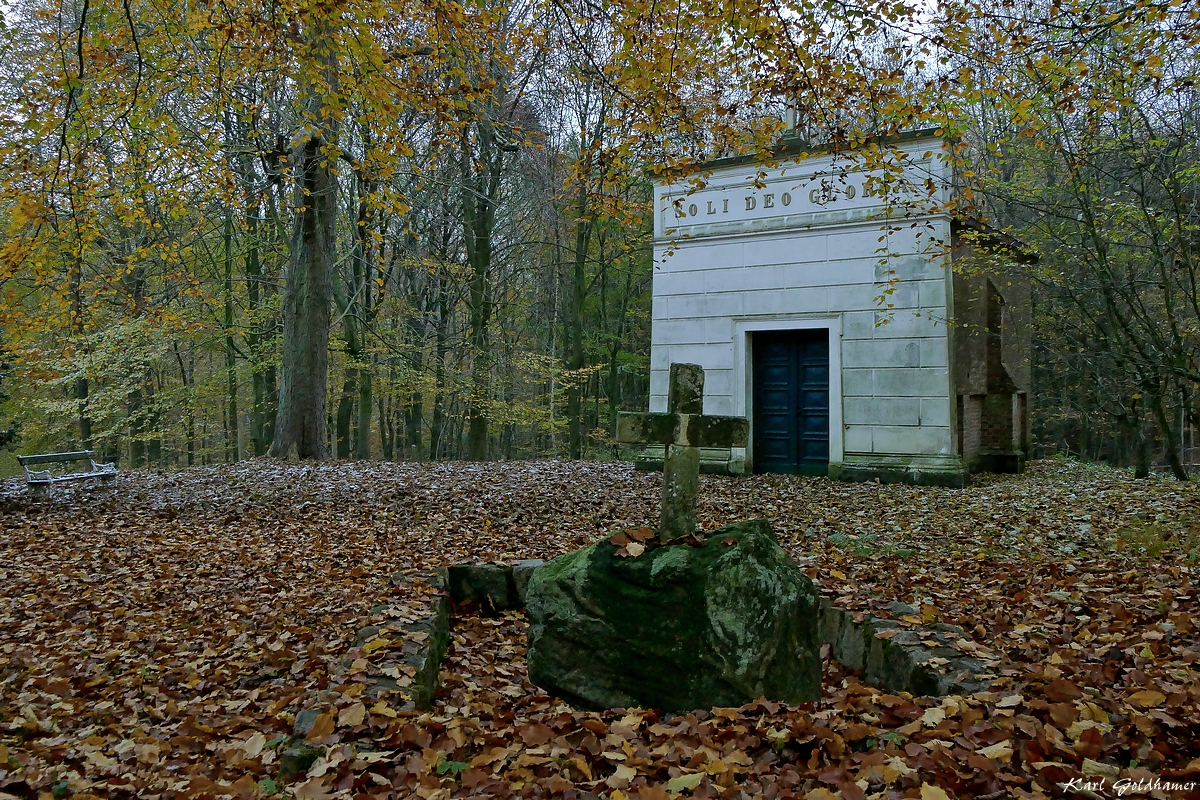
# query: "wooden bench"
41,480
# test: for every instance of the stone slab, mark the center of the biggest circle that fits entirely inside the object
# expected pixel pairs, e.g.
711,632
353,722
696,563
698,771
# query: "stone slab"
898,660
489,586
522,572
418,661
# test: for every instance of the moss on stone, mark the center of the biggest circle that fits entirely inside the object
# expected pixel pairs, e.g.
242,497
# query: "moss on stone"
679,627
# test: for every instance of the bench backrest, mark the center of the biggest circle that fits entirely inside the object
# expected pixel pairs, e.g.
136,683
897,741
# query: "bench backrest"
55,458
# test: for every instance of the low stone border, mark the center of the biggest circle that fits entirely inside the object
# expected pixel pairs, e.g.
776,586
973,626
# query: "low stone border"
897,659
411,670
499,587
922,661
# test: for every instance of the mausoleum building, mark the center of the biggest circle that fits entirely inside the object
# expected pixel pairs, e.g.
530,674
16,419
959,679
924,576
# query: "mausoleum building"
863,328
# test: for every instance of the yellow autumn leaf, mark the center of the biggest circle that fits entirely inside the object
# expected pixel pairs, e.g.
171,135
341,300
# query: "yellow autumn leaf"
375,644
382,709
1147,698
931,792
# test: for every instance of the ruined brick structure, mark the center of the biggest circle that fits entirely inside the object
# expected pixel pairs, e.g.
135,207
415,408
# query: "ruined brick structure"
993,348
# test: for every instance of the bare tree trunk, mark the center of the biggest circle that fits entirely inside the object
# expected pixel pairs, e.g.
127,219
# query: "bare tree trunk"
260,423
362,293
415,409
1169,441
438,422
345,410
81,383
232,448
386,437
479,192
480,313
188,380
300,426
574,320
300,423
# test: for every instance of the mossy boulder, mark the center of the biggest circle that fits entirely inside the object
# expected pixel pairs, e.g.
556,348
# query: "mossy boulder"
679,627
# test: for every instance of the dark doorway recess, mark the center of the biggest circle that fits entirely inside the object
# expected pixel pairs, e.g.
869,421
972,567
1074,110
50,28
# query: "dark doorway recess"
791,401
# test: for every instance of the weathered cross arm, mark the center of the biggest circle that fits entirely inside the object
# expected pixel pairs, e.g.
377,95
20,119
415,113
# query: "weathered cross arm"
683,430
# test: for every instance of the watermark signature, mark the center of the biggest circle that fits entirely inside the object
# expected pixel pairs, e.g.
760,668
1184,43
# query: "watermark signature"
1128,787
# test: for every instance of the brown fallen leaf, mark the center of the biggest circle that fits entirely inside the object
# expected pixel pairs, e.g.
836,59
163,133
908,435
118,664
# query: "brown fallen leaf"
254,745
322,727
352,715
1147,698
1063,690
313,789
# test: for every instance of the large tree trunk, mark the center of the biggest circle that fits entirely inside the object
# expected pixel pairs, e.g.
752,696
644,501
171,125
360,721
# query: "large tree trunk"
300,423
362,296
479,192
480,313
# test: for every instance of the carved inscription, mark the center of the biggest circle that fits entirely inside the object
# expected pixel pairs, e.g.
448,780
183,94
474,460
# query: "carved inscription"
778,197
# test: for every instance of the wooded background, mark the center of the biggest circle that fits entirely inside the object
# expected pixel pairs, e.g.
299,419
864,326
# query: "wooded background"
422,230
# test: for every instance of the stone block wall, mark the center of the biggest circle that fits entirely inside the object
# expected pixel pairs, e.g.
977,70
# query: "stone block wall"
725,269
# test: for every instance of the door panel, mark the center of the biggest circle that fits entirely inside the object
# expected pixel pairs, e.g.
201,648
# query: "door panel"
791,401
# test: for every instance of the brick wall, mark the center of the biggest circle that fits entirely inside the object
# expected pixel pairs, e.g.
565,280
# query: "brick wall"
970,418
997,424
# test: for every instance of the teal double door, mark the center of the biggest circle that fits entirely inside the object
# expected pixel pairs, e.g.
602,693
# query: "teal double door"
791,401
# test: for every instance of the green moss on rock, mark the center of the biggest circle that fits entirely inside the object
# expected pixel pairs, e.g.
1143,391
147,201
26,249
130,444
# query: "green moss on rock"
678,628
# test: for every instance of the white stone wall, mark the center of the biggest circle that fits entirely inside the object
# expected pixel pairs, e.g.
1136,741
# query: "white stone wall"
818,265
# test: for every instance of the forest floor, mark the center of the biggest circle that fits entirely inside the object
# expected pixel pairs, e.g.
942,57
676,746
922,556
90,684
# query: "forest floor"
157,641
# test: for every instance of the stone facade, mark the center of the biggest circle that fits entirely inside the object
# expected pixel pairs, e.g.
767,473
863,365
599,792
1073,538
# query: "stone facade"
807,244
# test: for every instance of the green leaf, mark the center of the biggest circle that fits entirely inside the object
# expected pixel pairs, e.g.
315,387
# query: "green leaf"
452,767
685,782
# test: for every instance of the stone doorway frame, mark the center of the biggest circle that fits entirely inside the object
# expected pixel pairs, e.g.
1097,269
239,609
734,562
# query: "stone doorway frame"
743,376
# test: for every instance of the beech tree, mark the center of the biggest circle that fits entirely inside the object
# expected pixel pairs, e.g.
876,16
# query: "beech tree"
198,201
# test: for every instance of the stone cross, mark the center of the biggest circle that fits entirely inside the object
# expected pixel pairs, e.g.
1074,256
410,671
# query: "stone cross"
684,429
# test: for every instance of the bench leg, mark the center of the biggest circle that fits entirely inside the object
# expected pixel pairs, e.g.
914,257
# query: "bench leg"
39,489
